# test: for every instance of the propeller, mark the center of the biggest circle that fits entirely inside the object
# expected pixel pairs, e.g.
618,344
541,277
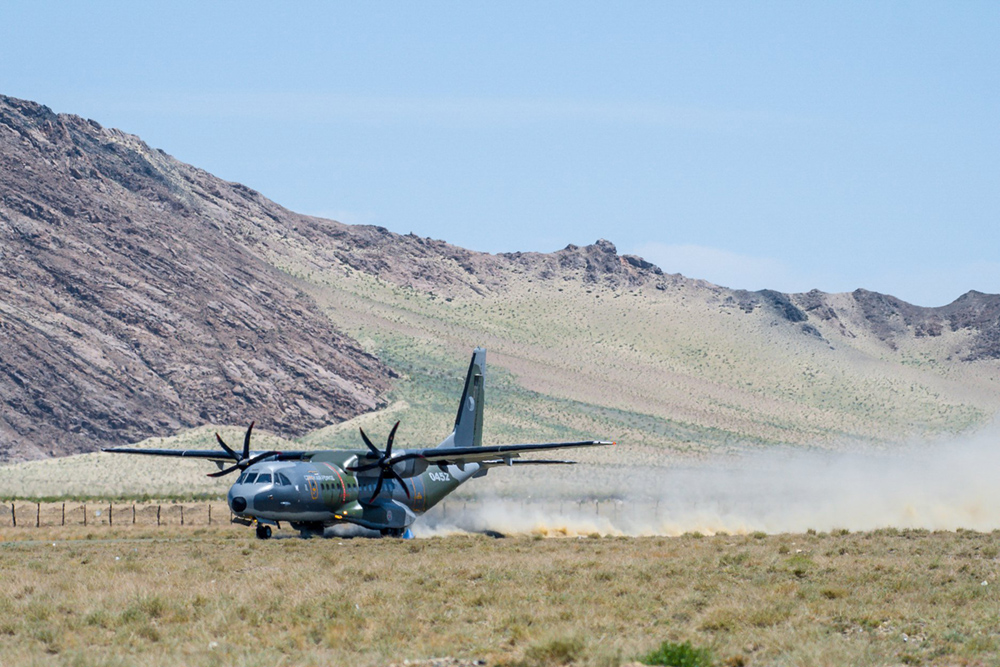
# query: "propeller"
384,462
243,461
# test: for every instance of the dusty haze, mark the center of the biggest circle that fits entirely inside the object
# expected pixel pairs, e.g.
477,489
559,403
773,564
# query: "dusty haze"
943,485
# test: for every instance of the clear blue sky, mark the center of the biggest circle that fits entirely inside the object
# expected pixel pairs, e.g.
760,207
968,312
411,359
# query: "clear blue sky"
783,145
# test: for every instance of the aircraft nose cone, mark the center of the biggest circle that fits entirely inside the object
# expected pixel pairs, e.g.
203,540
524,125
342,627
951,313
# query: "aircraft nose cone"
238,504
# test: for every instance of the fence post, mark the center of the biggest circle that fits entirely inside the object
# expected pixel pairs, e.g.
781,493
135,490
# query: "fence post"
64,514
210,514
110,515
182,515
85,514
38,515
13,515
158,515
133,514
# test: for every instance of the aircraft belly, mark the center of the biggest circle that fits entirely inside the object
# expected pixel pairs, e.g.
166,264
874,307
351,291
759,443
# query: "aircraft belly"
288,505
304,517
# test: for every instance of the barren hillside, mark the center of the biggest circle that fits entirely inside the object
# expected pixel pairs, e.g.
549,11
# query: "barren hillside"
132,302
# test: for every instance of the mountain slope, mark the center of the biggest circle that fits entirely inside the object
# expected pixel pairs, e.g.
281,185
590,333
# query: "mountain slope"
131,304
141,296
611,346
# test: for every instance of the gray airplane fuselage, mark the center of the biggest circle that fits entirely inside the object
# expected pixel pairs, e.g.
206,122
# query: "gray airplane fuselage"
320,492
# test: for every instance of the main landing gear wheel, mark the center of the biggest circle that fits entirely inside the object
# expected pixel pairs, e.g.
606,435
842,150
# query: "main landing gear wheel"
405,533
309,530
263,532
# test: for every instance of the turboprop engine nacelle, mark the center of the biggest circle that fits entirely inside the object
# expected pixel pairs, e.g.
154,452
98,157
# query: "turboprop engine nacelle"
410,467
407,468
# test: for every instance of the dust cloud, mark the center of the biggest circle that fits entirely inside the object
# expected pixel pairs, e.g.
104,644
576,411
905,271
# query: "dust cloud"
936,486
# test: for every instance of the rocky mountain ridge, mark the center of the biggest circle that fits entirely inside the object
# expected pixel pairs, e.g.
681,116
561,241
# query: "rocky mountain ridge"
430,265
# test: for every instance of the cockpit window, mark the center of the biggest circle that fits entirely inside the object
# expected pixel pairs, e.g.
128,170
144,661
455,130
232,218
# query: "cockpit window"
264,478
283,480
250,478
243,476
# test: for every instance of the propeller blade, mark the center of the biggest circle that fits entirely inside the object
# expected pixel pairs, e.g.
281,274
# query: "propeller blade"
226,447
246,440
243,464
368,442
378,487
384,462
224,472
395,475
259,457
388,444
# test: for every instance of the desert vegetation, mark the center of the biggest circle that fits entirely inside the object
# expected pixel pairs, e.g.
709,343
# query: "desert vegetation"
198,595
707,372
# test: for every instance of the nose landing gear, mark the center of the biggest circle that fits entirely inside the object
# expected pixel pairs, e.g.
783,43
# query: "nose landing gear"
263,532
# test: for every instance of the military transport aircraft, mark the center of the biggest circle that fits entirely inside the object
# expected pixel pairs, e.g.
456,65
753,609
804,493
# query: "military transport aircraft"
380,490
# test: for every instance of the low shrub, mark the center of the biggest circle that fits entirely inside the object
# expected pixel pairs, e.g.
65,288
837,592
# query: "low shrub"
672,654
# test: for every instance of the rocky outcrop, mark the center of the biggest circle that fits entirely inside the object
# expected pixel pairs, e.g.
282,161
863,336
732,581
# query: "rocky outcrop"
134,300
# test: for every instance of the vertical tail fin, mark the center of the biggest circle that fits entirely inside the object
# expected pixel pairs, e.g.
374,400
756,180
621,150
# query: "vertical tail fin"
469,420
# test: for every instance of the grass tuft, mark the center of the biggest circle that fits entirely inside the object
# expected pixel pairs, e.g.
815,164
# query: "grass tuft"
672,654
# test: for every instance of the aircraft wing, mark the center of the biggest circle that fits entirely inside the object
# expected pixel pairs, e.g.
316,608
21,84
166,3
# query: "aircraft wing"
211,454
433,455
461,455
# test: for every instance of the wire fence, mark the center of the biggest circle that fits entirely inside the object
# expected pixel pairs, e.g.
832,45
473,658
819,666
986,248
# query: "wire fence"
23,514
459,512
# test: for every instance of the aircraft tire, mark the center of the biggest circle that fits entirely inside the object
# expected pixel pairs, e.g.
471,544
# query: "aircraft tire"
309,530
263,532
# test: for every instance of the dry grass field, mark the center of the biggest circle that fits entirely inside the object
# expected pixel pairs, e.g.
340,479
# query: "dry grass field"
198,595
